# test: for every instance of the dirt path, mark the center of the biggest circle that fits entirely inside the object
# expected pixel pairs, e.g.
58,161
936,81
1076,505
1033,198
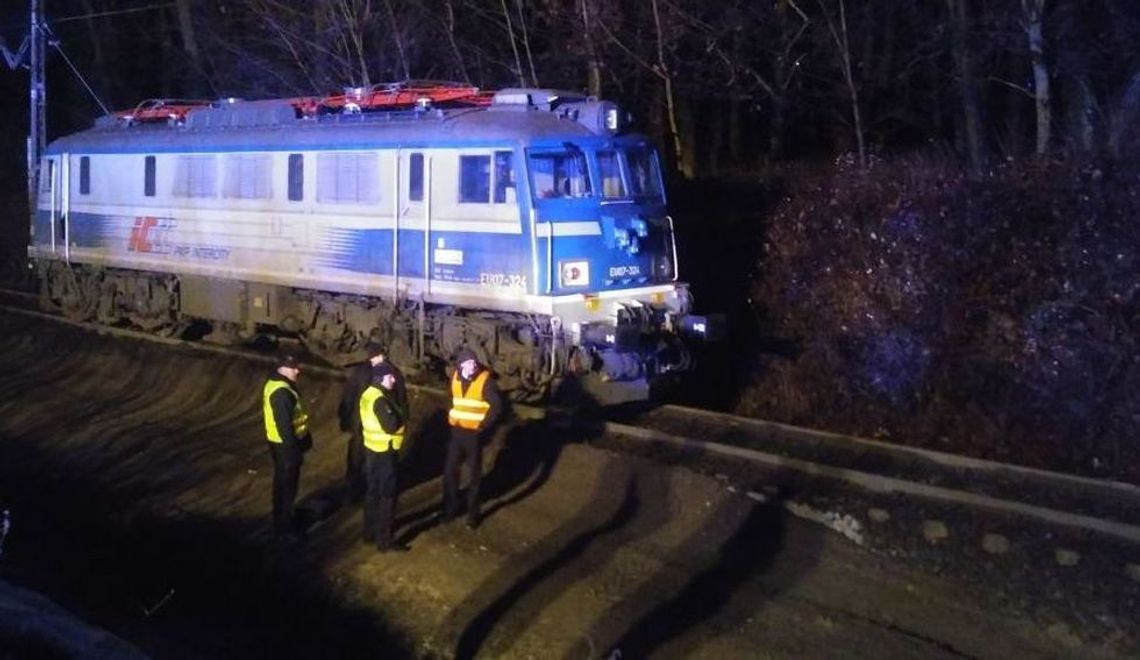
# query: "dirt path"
139,489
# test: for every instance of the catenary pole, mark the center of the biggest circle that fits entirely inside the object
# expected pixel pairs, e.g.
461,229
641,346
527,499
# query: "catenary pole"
37,93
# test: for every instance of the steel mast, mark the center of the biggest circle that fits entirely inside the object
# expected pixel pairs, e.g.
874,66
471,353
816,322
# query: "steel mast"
37,101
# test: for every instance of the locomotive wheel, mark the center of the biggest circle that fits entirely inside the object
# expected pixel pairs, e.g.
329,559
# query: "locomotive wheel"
74,294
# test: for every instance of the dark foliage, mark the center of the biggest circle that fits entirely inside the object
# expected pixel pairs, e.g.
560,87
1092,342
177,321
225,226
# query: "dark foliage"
998,316
724,85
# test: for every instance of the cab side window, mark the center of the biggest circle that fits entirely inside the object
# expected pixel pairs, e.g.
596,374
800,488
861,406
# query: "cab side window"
46,174
296,177
416,177
85,175
148,176
474,179
505,188
559,175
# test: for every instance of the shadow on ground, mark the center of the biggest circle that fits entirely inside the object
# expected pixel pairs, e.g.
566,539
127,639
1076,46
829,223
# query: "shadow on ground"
182,588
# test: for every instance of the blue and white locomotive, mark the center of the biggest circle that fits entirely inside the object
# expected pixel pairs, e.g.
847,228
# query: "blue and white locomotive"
526,224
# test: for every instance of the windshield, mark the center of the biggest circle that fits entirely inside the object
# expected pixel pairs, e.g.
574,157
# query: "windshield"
610,173
559,175
644,176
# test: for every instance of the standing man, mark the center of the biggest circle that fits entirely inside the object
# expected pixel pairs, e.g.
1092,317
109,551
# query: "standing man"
287,430
358,379
475,405
383,423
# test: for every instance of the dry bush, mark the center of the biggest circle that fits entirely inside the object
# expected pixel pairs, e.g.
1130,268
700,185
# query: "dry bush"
999,317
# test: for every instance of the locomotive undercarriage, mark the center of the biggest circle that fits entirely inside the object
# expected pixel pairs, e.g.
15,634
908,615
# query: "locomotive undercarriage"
530,354
420,336
521,348
147,301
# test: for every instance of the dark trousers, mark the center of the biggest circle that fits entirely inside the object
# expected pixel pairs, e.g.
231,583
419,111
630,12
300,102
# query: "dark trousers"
380,501
286,473
464,446
354,480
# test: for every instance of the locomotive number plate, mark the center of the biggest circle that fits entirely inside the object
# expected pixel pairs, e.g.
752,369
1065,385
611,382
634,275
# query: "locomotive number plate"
503,280
624,271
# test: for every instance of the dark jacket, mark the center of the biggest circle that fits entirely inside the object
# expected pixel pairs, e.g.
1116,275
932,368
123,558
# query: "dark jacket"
389,412
282,403
357,379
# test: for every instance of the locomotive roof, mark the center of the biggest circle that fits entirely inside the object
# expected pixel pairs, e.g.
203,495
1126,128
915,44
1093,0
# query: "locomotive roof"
411,129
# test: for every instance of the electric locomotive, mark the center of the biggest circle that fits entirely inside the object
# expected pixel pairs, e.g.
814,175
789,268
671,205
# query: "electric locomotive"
529,225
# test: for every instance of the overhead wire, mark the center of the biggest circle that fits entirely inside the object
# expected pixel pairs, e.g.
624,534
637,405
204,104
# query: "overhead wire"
54,42
113,12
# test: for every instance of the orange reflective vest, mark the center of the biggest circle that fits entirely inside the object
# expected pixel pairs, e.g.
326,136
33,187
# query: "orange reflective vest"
468,410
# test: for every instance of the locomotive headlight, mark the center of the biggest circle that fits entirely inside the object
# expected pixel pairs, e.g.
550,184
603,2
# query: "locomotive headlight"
607,335
574,273
613,119
708,328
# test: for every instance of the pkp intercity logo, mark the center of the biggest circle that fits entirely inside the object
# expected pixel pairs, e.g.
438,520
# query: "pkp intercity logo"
147,232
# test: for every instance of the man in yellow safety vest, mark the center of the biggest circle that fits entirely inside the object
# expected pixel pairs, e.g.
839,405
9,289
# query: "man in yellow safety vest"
357,378
475,405
383,423
287,430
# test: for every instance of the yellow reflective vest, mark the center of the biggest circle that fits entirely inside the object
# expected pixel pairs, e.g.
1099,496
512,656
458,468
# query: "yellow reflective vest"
375,437
300,417
468,410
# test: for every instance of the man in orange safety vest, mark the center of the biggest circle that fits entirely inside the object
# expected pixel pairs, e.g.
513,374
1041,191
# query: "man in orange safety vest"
475,405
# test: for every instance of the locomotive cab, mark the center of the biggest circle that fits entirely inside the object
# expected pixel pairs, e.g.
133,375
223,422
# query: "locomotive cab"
614,279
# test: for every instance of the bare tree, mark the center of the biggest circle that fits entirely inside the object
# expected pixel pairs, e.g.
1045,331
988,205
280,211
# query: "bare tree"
398,38
714,79
322,44
1124,111
661,68
514,44
450,27
1033,11
785,65
967,85
354,16
526,42
843,48
593,63
190,38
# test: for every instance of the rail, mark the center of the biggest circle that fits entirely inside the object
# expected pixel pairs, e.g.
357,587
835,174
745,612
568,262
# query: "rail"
1082,504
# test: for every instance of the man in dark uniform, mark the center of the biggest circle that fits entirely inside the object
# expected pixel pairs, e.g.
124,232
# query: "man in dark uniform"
287,430
383,425
475,406
358,378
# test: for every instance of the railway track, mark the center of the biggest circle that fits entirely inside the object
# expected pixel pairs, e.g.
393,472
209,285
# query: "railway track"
786,454
1076,503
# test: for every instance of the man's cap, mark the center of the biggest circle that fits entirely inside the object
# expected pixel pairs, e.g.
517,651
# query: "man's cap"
381,370
374,348
465,354
288,361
